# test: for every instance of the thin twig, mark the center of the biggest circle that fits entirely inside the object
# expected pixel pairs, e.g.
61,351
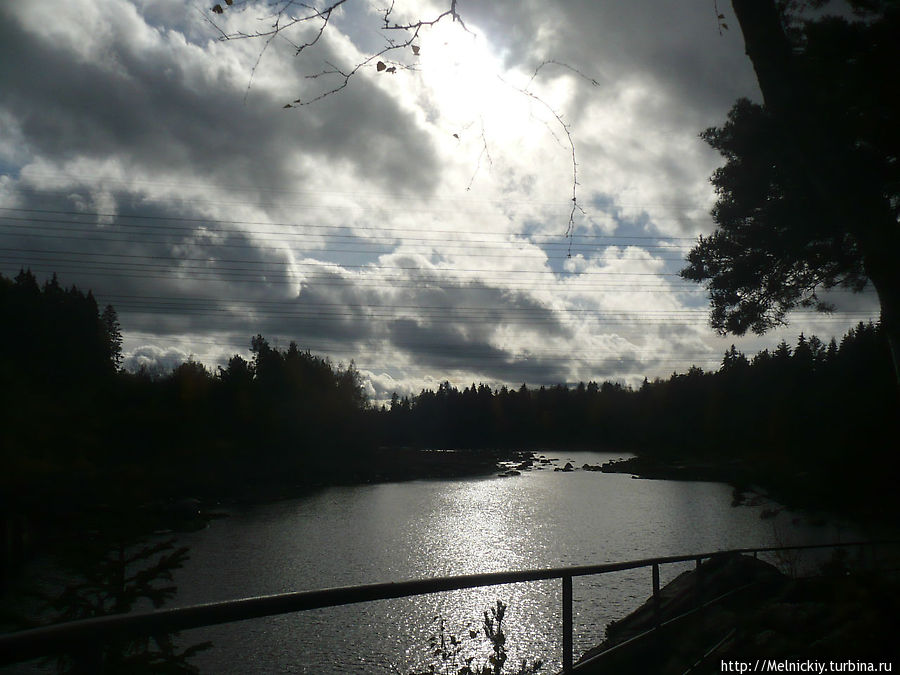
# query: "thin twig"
720,18
484,152
283,19
561,65
576,207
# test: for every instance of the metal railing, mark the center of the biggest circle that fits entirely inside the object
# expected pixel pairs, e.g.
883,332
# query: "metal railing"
75,635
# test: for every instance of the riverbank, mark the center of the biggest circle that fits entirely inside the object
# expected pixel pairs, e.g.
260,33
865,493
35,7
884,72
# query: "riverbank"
56,510
837,615
734,472
869,500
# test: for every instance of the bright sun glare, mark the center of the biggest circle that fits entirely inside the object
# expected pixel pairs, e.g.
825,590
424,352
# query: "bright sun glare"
468,85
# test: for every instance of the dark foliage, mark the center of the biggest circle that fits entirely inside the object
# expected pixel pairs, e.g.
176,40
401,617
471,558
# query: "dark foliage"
770,252
809,197
815,422
56,334
113,569
77,431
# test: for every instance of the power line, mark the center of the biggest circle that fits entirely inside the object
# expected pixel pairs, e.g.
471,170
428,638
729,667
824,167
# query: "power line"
424,283
460,250
293,308
215,221
125,261
450,201
152,236
318,265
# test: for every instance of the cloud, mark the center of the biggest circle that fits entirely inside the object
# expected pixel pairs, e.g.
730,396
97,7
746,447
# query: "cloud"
414,222
151,98
153,360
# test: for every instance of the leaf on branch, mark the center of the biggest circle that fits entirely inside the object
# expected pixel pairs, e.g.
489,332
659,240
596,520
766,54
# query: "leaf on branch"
392,69
415,49
720,16
456,136
724,25
380,66
229,2
217,9
287,105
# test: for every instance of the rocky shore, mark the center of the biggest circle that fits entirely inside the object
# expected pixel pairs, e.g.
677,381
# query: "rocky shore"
648,467
767,615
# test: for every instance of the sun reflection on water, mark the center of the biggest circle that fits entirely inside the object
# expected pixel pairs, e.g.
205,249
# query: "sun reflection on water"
425,529
485,534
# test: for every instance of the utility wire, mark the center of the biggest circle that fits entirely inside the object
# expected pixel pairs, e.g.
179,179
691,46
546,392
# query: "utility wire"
97,216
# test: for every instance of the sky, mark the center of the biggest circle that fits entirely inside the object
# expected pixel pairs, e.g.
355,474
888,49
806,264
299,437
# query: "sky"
418,221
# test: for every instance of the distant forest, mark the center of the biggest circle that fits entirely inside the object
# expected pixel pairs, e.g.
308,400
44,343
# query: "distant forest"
821,417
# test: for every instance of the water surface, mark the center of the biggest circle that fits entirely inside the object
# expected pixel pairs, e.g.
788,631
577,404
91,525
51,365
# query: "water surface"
396,531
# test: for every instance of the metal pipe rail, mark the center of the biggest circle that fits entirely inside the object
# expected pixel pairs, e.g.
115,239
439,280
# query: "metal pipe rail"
73,636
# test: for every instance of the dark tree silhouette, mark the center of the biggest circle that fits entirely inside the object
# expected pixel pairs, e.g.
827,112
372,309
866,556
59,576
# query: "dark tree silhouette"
112,334
809,197
114,567
76,432
768,420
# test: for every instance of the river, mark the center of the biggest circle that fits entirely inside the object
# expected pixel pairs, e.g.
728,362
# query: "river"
395,531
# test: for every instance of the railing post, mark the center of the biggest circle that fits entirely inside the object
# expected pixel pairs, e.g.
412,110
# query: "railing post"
656,600
698,582
567,623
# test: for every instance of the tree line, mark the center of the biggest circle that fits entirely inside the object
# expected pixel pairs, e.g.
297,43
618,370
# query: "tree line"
78,427
785,395
815,419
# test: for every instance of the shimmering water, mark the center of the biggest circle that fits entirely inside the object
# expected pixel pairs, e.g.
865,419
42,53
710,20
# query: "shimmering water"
396,531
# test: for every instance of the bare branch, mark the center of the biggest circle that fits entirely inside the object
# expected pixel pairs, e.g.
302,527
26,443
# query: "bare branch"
561,65
484,153
283,19
720,18
417,25
256,63
576,207
222,34
345,76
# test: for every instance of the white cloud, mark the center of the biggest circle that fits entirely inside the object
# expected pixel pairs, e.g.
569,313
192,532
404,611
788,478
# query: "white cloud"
361,226
153,360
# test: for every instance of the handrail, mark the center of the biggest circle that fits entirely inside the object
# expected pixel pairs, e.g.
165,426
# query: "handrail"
73,635
586,664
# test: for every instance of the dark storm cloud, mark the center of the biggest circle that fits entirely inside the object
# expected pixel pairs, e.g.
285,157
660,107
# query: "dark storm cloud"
176,278
455,327
330,310
164,111
677,46
163,274
448,347
361,308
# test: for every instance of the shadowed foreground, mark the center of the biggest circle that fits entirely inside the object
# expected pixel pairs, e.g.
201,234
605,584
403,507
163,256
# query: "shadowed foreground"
768,615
